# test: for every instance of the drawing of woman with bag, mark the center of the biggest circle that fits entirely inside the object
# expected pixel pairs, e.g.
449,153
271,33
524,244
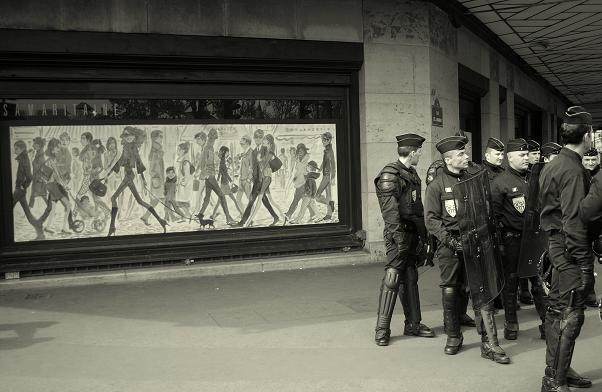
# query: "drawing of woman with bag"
131,140
224,179
57,187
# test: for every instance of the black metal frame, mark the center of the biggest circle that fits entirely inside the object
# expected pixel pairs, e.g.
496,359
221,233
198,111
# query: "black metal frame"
85,65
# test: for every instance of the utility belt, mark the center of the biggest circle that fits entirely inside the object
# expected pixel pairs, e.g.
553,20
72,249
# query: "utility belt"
508,234
407,226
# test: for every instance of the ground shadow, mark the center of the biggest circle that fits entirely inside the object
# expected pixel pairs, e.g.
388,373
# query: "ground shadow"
25,334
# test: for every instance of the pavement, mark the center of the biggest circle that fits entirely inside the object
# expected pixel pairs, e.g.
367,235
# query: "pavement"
299,330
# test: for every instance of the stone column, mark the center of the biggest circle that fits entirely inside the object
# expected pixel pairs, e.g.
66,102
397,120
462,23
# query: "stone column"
409,49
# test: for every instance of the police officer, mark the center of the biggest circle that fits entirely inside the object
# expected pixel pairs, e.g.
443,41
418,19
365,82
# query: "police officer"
591,161
534,157
494,157
549,151
534,152
510,192
441,221
563,185
398,189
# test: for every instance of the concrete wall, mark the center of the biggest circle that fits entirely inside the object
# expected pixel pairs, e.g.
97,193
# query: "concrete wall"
498,120
332,20
411,56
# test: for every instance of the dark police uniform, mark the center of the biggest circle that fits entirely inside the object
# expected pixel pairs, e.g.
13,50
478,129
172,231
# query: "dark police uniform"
525,295
563,184
510,192
591,299
441,221
493,170
398,189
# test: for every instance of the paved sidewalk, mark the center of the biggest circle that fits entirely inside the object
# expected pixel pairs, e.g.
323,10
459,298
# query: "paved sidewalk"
302,330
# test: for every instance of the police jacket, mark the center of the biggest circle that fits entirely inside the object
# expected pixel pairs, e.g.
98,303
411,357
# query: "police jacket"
509,193
398,189
492,170
440,206
563,184
590,208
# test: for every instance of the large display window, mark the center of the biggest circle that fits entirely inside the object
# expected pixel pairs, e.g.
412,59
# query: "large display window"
205,156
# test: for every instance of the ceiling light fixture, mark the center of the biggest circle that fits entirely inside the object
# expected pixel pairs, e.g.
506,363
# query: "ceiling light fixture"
539,45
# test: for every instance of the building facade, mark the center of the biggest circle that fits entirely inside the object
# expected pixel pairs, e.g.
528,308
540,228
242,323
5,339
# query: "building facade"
381,68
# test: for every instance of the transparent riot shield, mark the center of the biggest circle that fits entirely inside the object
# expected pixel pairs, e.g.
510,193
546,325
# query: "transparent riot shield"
477,229
534,241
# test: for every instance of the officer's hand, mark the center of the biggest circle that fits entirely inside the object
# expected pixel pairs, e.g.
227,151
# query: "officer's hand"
587,280
456,245
422,254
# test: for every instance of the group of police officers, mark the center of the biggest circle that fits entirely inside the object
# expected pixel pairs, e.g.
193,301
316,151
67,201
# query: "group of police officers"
485,222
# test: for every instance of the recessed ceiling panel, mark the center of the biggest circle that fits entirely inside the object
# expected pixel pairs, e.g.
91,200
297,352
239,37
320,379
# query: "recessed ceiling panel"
561,40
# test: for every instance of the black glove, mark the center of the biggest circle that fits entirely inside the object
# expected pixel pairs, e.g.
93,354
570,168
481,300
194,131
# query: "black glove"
587,280
421,254
454,244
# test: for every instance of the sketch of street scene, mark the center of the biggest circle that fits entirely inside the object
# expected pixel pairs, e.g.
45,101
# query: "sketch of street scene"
75,181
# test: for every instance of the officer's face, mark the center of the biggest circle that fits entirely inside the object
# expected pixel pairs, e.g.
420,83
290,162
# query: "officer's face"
518,160
494,157
590,163
415,157
458,159
533,157
549,158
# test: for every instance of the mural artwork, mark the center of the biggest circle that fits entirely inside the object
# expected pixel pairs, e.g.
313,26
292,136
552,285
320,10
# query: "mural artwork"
114,180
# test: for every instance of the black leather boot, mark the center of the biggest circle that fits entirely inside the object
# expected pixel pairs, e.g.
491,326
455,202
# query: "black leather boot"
451,320
410,301
510,301
490,346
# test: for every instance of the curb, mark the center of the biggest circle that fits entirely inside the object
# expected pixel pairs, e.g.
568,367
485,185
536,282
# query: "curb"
193,270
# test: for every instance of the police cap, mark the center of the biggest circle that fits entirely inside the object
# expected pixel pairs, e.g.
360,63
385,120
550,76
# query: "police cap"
517,145
452,143
409,140
577,115
533,145
495,144
550,148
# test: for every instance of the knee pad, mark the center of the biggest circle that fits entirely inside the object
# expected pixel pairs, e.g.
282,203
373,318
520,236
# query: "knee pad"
391,278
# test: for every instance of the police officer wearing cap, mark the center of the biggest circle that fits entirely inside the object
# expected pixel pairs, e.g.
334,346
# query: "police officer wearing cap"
398,189
510,193
564,184
534,152
591,161
494,157
549,151
534,157
441,221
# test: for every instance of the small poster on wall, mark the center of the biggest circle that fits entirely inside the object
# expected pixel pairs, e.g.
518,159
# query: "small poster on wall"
436,110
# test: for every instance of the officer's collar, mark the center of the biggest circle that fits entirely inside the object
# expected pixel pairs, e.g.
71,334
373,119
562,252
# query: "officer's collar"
403,166
570,154
492,166
457,175
517,173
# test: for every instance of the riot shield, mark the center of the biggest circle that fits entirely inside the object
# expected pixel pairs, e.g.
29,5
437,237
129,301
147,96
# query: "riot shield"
534,241
477,229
